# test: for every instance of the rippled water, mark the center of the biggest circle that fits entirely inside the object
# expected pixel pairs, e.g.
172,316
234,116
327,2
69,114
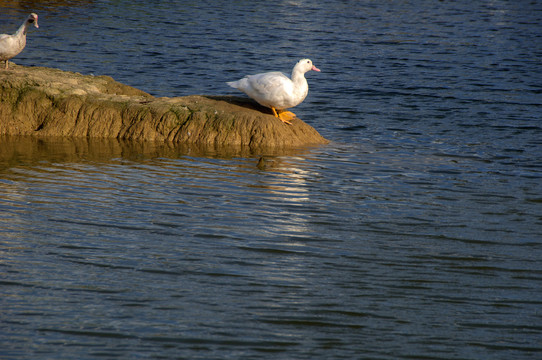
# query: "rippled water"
416,234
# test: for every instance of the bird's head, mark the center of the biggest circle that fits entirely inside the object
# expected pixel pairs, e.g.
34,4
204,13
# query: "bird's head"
306,65
33,19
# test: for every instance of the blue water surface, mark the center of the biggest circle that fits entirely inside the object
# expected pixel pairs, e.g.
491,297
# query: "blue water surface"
415,234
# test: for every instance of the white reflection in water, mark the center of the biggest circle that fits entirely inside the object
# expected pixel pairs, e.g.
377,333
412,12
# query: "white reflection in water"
12,202
287,188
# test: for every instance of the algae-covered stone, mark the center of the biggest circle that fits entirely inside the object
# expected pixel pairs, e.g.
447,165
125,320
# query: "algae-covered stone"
50,102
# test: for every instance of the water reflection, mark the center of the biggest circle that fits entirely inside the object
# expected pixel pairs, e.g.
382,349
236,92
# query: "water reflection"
82,194
101,176
30,150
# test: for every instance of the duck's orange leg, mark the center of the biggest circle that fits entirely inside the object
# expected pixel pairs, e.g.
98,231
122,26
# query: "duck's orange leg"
284,116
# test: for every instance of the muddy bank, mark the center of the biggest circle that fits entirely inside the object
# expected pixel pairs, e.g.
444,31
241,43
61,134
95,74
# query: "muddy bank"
49,102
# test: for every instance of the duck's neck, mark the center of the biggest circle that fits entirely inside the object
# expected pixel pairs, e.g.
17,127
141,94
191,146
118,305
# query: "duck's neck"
301,87
22,29
298,77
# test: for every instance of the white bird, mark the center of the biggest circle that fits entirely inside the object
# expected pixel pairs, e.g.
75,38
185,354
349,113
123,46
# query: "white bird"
276,91
12,45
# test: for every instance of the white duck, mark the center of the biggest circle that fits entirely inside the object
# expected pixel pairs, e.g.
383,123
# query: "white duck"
276,91
12,45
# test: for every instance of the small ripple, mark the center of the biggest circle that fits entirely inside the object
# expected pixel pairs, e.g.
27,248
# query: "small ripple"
309,322
100,334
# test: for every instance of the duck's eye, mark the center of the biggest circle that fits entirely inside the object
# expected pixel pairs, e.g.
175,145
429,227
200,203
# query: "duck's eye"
308,61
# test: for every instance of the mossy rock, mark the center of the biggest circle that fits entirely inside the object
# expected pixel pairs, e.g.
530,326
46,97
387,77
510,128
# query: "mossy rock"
42,101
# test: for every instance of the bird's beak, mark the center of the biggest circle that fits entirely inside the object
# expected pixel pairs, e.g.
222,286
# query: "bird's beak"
35,20
315,68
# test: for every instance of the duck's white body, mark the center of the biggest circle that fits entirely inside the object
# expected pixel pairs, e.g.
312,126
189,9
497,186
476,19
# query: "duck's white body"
277,91
12,45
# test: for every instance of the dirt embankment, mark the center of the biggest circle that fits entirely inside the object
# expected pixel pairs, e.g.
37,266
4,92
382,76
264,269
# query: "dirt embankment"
49,102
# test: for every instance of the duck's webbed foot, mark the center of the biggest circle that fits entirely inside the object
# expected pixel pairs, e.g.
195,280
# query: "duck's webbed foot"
284,116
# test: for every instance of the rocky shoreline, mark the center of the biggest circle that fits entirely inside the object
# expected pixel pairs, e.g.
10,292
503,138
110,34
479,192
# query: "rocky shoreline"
42,101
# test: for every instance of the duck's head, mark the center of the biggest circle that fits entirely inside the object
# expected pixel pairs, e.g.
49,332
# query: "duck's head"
306,65
33,19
